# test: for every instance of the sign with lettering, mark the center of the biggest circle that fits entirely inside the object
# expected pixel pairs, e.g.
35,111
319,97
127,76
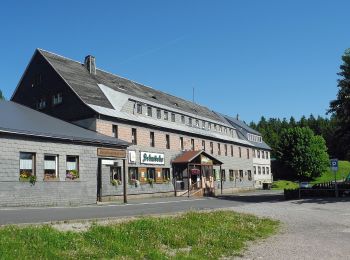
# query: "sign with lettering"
152,158
107,152
205,160
132,156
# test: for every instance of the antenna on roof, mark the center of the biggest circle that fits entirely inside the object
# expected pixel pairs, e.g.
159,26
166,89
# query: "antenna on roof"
192,94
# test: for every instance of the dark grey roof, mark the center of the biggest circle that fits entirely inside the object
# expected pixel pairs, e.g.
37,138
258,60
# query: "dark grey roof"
18,119
241,125
243,129
85,85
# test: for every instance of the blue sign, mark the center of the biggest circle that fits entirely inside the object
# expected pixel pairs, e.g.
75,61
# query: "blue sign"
334,165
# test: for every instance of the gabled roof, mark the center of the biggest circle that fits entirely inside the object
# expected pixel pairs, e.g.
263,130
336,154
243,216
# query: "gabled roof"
21,120
86,86
188,156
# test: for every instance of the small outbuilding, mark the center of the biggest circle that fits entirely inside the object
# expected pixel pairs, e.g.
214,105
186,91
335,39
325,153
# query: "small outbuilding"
45,161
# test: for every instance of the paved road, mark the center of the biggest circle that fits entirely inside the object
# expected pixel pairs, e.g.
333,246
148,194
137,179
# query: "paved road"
134,208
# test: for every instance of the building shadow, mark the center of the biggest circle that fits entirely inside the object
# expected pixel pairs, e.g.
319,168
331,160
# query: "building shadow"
271,198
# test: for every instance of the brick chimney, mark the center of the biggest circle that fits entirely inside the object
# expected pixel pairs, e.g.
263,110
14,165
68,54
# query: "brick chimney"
90,64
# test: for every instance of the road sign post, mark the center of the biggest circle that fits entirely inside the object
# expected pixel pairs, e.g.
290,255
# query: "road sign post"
334,168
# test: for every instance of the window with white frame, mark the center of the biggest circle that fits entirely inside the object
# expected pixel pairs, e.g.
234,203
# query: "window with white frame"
166,115
149,111
254,170
259,170
183,119
26,166
267,170
159,114
190,121
139,108
57,99
172,117
263,169
72,172
50,167
197,123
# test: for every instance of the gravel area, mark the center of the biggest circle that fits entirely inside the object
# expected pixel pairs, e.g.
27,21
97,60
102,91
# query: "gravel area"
311,229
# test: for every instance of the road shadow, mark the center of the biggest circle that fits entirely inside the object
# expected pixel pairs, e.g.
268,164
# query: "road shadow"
254,198
321,200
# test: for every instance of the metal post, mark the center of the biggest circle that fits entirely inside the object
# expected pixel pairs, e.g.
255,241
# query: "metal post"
221,178
174,181
188,181
124,183
335,185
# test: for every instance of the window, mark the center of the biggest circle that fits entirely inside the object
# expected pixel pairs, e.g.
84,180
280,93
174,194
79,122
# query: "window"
172,117
159,114
240,174
50,167
181,143
37,80
139,108
248,154
267,170
231,150
223,175
259,170
57,99
225,149
190,121
197,123
254,170
115,131
192,144
209,126
183,119
215,127
258,153
149,111
72,171
249,175
133,175
203,145
263,170
263,154
211,148
240,152
232,176
41,104
133,136
267,155
167,141
116,174
220,129
254,153
219,149
166,174
203,124
26,166
151,137
166,115
151,173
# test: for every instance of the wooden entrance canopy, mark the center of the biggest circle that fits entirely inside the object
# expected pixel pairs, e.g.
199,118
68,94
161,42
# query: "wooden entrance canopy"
190,156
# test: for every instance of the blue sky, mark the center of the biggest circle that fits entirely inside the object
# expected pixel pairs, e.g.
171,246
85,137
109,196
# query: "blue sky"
254,58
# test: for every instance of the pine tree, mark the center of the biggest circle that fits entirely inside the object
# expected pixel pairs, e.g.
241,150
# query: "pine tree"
340,108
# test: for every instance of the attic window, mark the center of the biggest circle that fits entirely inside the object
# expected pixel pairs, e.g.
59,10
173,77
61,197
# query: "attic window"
154,97
121,87
176,104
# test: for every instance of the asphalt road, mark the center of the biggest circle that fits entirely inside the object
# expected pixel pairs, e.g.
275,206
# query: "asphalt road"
134,208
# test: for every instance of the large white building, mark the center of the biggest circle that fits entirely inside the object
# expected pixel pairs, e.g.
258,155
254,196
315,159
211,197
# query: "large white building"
174,142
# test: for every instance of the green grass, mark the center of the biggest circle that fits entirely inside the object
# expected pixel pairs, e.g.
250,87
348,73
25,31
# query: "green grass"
190,236
344,170
283,184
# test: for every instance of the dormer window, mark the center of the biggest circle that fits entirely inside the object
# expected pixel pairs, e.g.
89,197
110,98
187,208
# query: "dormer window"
139,108
154,97
176,104
57,99
121,87
41,104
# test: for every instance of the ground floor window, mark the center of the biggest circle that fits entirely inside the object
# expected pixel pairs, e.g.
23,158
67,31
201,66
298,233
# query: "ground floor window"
26,166
249,175
133,174
232,176
223,175
116,175
72,172
151,174
166,174
50,167
241,174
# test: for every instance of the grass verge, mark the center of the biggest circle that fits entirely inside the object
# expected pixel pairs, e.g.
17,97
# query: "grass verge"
208,235
283,184
344,170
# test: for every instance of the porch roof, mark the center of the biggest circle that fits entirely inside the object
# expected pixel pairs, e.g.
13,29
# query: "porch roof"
189,156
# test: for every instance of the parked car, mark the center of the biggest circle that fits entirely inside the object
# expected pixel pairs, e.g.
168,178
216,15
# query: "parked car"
304,185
